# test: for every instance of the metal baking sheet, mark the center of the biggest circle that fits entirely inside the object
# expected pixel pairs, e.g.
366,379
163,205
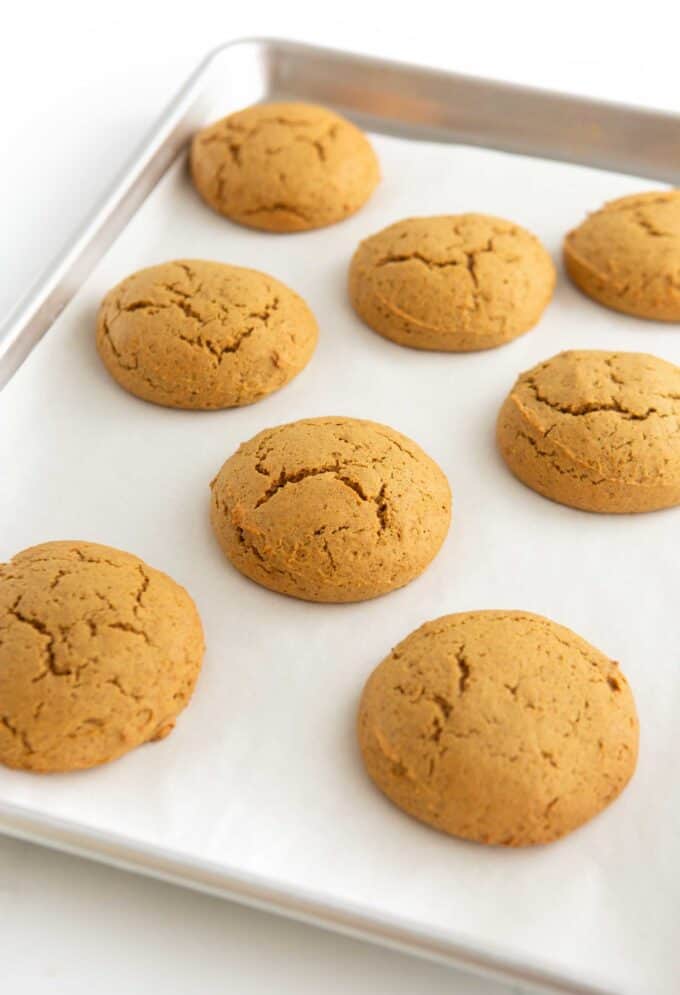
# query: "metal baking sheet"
259,794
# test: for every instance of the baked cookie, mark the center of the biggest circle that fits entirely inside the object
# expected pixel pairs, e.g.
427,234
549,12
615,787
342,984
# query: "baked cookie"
330,509
98,654
498,726
627,255
284,167
455,282
596,430
202,335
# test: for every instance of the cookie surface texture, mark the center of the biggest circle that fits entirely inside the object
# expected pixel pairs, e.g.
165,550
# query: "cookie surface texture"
627,255
99,653
330,509
596,430
455,283
498,726
204,335
284,167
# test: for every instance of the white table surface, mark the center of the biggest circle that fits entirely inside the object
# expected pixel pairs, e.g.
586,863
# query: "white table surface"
81,84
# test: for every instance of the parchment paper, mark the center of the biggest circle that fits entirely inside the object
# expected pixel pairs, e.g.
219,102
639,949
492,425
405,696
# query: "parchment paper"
262,772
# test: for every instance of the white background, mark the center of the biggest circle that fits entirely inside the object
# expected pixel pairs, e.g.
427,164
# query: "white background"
82,83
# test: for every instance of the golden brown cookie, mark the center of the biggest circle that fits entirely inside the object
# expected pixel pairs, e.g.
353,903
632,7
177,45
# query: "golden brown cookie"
627,255
498,726
596,430
284,167
98,654
456,282
330,509
204,335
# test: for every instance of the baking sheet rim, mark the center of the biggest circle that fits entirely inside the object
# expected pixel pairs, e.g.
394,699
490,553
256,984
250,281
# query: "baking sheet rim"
32,317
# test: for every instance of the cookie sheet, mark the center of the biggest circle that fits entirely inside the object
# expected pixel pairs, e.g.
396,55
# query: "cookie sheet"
262,775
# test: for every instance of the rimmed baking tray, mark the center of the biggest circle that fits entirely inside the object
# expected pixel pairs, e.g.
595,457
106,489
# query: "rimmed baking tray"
258,796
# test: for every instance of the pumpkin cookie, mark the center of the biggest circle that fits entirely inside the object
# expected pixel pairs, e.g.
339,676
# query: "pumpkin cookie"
203,335
284,167
627,255
330,509
596,430
455,283
98,654
498,726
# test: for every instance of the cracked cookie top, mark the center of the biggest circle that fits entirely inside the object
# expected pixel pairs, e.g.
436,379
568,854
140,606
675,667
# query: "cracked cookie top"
284,167
98,654
596,430
455,283
498,726
204,335
331,509
627,255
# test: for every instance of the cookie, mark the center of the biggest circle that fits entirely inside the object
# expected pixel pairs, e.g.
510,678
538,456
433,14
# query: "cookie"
330,509
204,335
456,283
596,430
627,255
98,654
284,167
498,726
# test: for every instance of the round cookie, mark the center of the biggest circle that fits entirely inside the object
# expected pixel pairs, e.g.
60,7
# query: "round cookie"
627,255
98,654
330,509
284,167
595,430
456,283
203,335
498,726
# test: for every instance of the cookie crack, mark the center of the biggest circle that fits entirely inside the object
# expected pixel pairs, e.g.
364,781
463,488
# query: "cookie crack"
635,206
247,133
116,683
106,330
317,143
97,560
235,142
397,445
17,733
589,407
463,670
285,479
130,366
133,630
203,343
141,590
277,207
207,345
250,546
407,257
186,268
492,319
184,304
42,630
552,457
60,574
468,260
649,227
549,807
329,554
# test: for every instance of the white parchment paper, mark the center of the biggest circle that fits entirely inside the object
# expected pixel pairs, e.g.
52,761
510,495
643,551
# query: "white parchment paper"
262,772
